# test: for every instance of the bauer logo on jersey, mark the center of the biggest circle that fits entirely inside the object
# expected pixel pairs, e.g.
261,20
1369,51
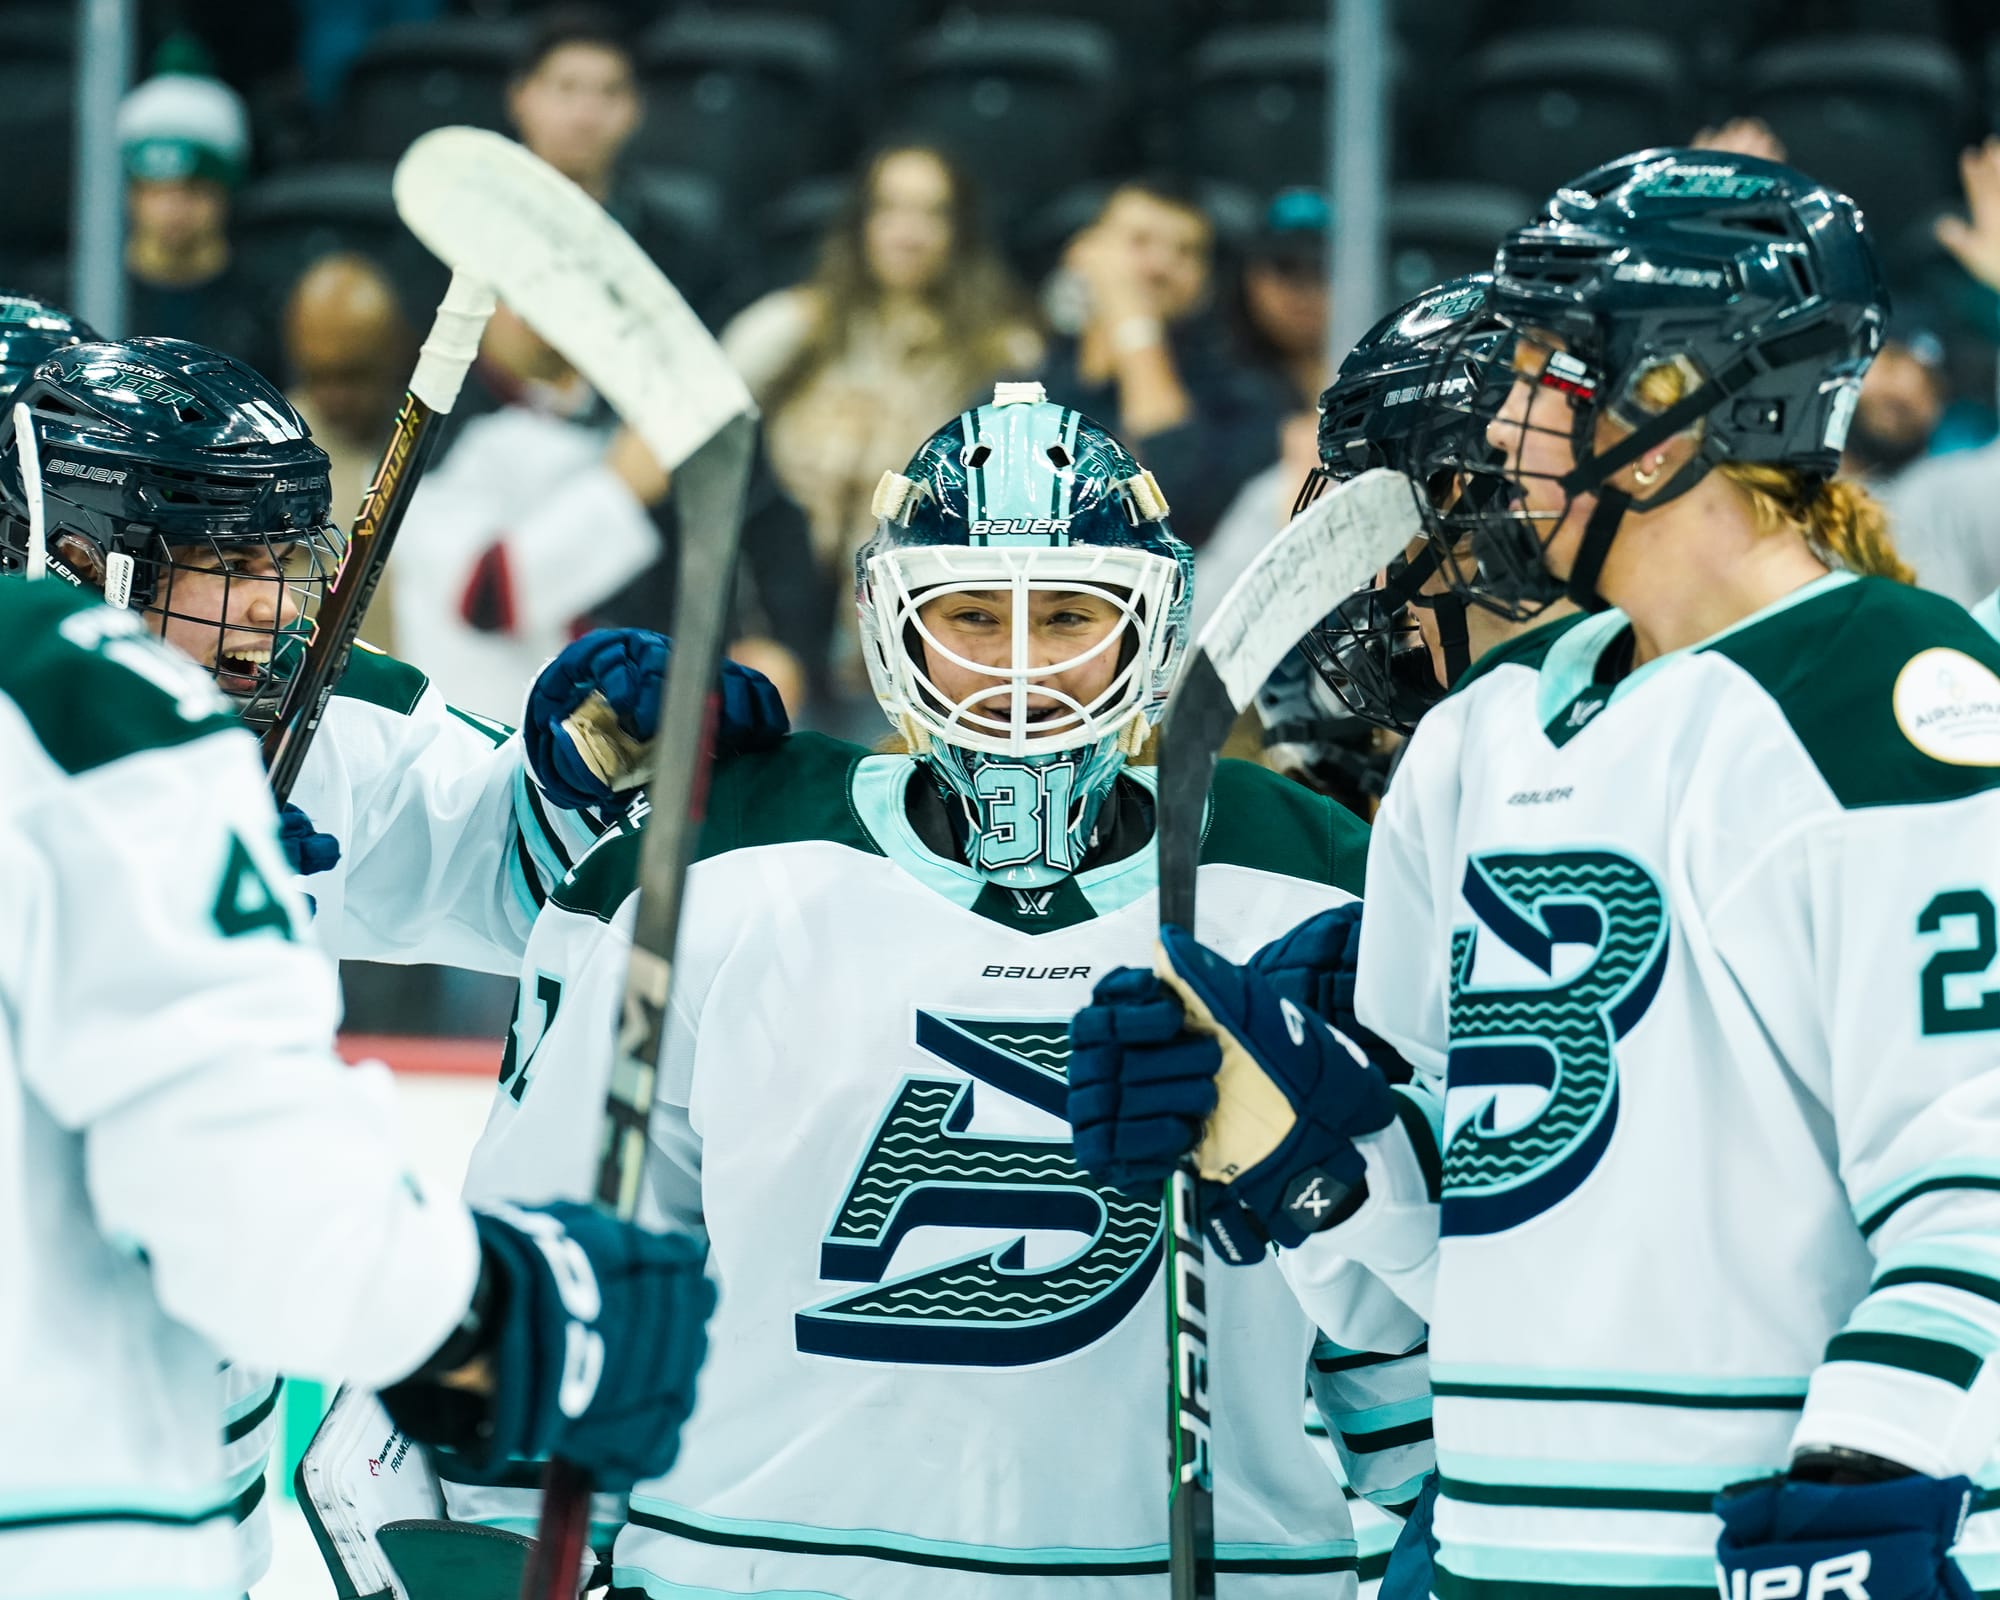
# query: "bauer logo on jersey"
1948,706
1564,955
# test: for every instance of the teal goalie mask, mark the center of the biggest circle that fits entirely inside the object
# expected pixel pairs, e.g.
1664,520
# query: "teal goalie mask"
1024,606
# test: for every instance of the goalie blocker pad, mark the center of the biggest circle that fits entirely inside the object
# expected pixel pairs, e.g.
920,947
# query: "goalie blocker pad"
376,1510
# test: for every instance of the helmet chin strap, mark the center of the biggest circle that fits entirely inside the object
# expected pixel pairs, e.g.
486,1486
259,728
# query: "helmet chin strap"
1593,471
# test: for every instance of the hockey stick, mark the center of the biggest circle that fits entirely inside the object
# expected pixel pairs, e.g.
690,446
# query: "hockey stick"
483,204
441,368
1321,557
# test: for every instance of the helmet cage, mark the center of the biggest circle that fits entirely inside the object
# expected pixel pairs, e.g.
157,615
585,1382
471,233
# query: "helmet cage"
1144,588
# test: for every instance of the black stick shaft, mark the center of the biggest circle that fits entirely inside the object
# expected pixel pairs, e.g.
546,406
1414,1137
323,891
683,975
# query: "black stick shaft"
441,367
708,490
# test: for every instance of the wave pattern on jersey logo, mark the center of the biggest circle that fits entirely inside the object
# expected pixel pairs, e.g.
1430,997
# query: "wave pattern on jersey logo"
1560,1039
923,1168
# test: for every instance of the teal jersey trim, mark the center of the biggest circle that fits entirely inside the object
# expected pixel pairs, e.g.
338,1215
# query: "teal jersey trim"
1987,614
244,1416
1331,1555
1567,696
627,1582
1878,1206
184,1508
1630,1571
1694,1391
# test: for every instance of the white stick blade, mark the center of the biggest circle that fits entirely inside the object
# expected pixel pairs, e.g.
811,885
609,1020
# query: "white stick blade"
1319,558
494,212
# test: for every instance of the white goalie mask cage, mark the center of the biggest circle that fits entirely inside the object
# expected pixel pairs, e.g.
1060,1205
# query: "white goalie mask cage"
994,719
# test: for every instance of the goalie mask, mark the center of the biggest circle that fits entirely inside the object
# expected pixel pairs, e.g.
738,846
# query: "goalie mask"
1758,286
180,483
1395,403
1023,610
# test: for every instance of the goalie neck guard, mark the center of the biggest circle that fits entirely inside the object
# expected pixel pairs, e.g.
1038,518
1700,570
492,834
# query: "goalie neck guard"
1398,402
1010,507
1758,284
180,483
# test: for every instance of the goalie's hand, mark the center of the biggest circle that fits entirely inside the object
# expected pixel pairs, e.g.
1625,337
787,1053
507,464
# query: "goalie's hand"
587,1349
1204,1056
594,707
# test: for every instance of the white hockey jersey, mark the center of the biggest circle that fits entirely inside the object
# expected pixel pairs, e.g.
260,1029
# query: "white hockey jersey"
186,1171
938,1361
448,849
1701,963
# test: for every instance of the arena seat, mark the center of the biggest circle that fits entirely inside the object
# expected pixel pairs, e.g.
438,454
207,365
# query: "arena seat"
416,76
1444,230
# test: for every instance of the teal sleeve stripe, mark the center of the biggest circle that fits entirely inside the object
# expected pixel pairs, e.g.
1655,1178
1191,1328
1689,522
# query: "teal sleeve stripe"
1545,1393
1567,1573
1365,1419
1396,1497
1537,1472
258,1409
1945,1277
1893,1313
1415,1112
495,732
1877,1208
1930,1358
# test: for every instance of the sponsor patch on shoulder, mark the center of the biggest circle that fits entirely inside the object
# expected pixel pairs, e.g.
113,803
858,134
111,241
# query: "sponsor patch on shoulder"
1948,706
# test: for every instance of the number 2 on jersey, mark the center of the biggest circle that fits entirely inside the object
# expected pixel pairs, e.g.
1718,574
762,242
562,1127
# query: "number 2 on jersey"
1960,961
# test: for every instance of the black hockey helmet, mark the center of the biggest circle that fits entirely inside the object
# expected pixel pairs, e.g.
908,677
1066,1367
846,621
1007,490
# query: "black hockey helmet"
1415,395
31,331
1312,737
178,481
1759,284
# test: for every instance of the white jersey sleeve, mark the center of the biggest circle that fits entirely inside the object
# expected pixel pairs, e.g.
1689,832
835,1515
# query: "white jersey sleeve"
193,1173
448,846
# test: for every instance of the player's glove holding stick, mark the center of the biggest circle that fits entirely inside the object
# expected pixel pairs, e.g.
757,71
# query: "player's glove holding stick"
1889,1540
1205,1056
583,1341
594,708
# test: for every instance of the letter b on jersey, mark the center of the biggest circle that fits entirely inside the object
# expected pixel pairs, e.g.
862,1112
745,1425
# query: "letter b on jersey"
1531,1084
924,1168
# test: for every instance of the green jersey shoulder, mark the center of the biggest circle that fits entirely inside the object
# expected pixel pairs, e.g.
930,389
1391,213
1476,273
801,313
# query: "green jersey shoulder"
93,685
1892,692
1261,820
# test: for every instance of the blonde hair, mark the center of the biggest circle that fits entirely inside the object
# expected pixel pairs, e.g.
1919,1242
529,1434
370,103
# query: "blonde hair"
1842,522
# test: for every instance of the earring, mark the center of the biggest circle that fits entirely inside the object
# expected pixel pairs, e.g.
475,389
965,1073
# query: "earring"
1646,480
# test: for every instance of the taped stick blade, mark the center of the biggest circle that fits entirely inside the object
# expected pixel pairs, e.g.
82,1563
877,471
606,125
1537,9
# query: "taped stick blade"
491,210
1320,557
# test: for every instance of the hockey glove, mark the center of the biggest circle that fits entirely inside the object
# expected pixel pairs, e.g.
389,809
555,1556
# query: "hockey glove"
595,1332
1889,1541
1314,965
594,706
1204,1056
307,849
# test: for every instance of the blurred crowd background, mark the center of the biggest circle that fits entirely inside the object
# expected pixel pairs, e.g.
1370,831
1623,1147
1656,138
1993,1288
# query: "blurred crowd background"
884,206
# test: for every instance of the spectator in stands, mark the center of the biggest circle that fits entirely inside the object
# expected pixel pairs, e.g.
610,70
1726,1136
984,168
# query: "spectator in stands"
911,317
1902,398
349,352
1281,298
185,142
575,101
1945,510
1152,366
545,518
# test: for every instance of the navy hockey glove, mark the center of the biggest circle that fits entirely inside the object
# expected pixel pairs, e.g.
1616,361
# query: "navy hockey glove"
583,749
595,1332
1888,1541
1208,1055
307,849
1314,965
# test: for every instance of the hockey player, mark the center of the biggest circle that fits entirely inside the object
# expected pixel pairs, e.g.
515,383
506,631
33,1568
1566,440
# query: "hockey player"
192,1173
185,485
938,1368
31,331
1682,909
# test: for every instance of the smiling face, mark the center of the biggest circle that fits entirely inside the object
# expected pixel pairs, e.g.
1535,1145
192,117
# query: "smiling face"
1067,630
226,609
